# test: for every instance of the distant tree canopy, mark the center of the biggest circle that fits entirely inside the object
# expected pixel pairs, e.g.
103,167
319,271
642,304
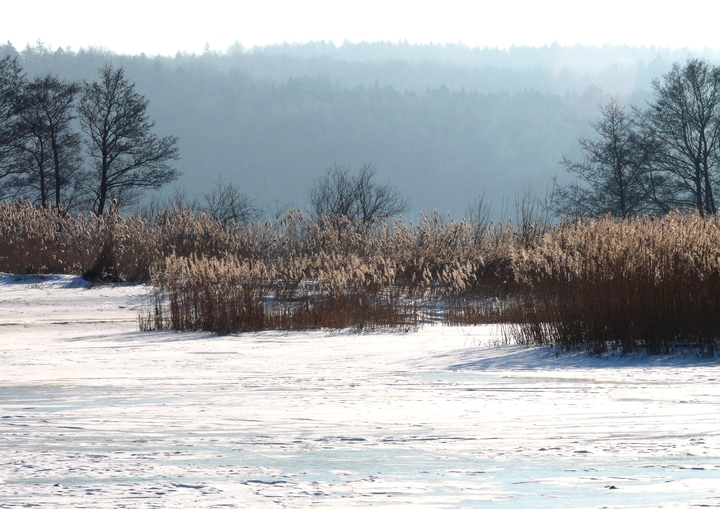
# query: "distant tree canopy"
664,157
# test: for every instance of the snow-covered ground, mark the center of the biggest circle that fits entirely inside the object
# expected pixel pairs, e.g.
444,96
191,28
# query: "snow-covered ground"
94,413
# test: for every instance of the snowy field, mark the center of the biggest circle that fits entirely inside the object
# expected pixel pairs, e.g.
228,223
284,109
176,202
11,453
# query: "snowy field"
95,414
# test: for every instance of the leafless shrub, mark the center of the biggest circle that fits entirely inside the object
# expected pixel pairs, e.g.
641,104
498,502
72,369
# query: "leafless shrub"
226,204
354,195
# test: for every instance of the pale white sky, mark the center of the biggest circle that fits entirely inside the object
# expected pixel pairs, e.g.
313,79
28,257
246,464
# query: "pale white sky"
164,27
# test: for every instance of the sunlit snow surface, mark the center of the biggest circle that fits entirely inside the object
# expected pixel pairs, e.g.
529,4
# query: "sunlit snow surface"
94,413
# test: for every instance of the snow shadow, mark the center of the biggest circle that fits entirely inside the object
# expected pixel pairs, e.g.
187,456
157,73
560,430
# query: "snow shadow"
515,357
46,280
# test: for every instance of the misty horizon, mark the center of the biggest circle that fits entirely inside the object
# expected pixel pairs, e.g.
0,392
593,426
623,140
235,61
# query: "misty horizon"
366,50
443,124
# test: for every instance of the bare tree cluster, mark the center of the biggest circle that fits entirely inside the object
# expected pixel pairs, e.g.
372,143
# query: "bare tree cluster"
49,164
684,121
652,160
616,171
356,196
46,160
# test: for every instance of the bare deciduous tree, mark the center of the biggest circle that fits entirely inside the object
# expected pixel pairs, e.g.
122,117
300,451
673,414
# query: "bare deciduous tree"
127,157
224,203
356,196
479,212
615,175
178,199
49,168
684,119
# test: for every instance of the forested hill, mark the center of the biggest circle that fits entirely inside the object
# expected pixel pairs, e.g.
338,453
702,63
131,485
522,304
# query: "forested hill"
442,123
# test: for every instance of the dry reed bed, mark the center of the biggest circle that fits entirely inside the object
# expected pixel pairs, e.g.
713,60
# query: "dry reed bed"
433,256
330,274
646,284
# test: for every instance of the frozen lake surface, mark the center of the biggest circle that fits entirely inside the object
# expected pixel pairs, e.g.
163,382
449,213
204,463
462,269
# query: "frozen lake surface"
95,414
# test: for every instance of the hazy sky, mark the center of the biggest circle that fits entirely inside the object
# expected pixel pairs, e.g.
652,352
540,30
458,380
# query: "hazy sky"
164,27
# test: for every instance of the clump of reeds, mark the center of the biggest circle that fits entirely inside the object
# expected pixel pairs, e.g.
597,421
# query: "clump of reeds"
431,258
35,240
348,309
646,284
111,247
232,295
209,294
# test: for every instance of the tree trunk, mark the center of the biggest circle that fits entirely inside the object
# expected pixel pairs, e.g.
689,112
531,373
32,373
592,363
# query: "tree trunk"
56,162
